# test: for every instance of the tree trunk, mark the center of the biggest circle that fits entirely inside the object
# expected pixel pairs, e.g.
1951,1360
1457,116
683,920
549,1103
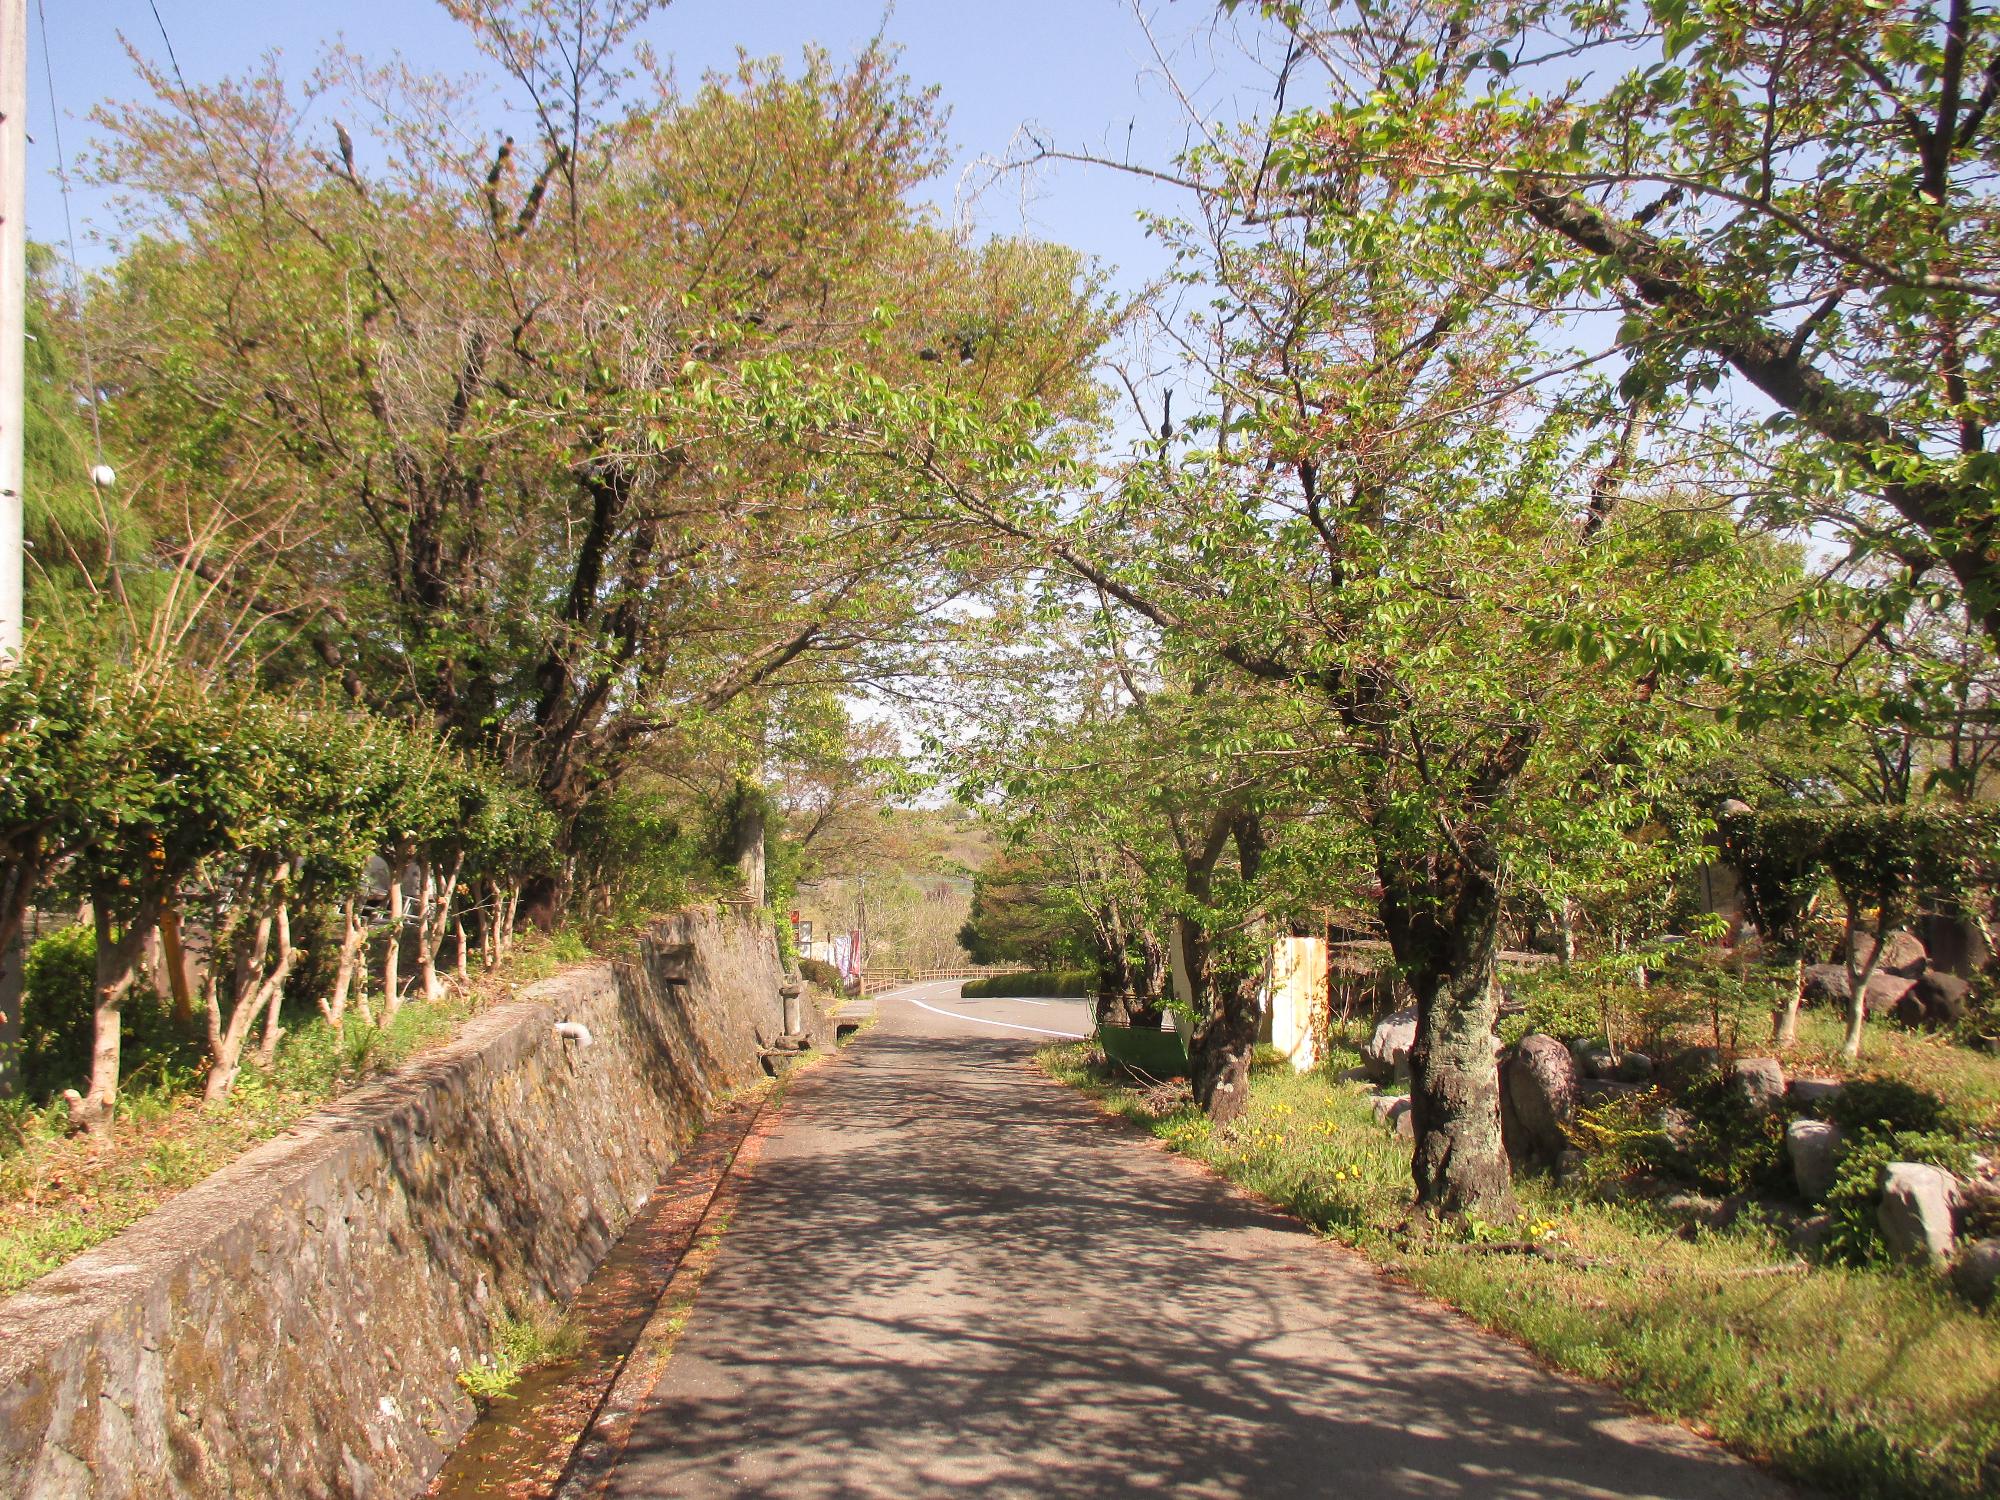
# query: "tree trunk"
1566,931
273,988
179,980
1785,1023
1223,1043
510,912
256,983
1857,980
392,956
352,936
1225,1037
117,962
1442,912
433,920
1152,978
749,843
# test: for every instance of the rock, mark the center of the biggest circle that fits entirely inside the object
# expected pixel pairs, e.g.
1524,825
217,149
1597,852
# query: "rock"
1936,999
1809,1235
1387,1054
1691,1063
1884,992
1592,1092
1593,1058
1635,1067
1761,1081
1814,1147
1677,1125
1826,984
1813,1093
1903,955
1392,1111
1978,1209
1540,1083
1698,1210
1977,1273
1915,1212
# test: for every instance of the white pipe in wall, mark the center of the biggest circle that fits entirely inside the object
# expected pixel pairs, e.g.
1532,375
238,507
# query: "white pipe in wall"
576,1031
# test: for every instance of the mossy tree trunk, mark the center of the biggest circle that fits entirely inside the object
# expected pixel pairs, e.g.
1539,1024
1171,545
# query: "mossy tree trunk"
1442,913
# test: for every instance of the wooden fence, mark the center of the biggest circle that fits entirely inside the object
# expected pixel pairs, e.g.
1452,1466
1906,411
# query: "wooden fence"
874,981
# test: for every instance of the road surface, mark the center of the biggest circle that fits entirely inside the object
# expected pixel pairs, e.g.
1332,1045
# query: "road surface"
947,1274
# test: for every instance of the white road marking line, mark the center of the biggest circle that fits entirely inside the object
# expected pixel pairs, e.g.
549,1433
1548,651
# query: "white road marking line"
1075,1036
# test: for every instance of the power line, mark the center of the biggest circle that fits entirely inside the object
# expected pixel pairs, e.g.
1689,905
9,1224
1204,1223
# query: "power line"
69,234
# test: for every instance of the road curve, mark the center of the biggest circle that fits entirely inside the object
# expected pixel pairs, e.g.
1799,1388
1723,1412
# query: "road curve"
948,1274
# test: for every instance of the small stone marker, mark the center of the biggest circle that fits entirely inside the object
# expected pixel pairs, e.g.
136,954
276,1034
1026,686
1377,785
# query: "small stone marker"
1915,1213
1814,1147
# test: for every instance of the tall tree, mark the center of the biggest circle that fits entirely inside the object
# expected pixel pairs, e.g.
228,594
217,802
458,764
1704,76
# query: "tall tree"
495,373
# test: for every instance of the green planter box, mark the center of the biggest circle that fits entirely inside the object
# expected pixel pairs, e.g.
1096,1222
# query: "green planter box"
1145,1049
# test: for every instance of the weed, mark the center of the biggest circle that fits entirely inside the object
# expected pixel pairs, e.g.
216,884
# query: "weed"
1861,1381
540,1335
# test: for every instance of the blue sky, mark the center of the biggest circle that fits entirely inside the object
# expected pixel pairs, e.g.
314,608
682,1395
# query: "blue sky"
1081,71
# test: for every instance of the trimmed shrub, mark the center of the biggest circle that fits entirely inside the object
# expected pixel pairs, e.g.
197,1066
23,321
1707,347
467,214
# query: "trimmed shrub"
1884,1106
1057,984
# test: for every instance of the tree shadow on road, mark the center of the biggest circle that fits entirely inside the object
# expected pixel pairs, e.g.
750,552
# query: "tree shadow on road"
946,1274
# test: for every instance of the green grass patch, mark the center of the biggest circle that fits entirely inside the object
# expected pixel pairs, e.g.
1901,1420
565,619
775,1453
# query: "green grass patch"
1867,1382
1043,984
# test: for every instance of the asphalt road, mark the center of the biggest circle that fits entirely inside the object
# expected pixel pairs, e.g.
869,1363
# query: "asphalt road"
947,1274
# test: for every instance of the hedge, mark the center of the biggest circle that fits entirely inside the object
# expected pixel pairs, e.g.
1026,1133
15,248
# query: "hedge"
1056,984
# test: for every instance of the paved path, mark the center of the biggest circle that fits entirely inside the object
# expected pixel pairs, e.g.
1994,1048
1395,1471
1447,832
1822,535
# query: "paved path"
947,1275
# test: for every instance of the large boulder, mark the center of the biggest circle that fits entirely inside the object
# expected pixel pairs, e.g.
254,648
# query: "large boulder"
1885,991
1760,1080
1902,954
1915,1212
1977,1273
1936,999
1593,1058
1592,1092
1826,984
1814,1147
1540,1083
1387,1054
1634,1067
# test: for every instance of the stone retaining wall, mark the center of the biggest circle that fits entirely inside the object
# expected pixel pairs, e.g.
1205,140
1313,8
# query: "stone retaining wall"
293,1325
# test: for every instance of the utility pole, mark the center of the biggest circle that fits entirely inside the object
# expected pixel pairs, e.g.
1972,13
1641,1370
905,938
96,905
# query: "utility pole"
13,391
13,308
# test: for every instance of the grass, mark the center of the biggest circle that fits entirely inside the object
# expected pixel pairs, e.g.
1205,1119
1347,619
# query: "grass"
1969,1081
542,1335
1867,1383
61,1195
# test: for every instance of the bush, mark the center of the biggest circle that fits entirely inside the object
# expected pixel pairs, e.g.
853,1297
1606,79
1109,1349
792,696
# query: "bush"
1555,1003
1732,1143
818,971
1073,984
58,979
1882,1106
1857,1184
